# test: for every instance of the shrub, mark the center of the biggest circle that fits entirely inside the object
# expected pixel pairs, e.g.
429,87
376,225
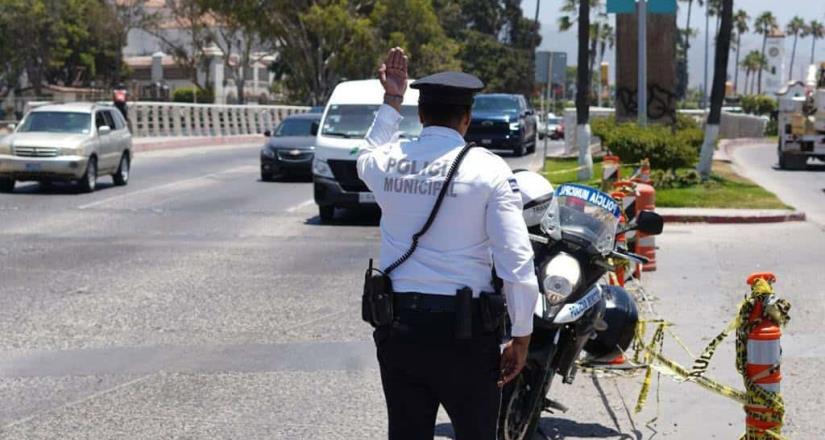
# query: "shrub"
759,105
187,94
667,148
663,179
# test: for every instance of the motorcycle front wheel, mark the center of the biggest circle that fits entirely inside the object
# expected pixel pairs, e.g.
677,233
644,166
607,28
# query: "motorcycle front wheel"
522,402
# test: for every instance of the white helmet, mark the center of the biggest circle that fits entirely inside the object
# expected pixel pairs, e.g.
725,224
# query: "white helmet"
536,195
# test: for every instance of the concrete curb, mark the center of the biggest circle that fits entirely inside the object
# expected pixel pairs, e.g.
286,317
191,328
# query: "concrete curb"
153,144
791,216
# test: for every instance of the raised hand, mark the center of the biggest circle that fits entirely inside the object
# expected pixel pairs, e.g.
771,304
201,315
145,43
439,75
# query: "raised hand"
393,73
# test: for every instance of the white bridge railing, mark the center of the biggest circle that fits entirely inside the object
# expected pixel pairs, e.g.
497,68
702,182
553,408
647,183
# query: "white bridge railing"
149,119
175,119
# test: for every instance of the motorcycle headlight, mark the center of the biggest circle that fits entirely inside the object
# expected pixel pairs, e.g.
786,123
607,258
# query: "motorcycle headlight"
561,276
514,126
266,152
321,168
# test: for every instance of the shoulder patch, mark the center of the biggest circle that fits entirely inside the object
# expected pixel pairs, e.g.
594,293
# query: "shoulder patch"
513,184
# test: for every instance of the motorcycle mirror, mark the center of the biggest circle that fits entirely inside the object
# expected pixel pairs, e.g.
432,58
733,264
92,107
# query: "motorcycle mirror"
649,222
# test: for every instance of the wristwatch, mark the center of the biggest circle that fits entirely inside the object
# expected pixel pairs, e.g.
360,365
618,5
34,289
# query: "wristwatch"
393,99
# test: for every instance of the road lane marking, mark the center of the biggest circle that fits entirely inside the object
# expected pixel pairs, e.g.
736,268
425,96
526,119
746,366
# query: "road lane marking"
70,404
171,185
300,206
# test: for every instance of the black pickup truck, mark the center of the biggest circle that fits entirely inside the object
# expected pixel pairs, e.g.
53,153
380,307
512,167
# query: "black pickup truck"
503,122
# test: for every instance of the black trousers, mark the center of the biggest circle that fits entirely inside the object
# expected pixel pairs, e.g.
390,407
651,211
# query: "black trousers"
423,365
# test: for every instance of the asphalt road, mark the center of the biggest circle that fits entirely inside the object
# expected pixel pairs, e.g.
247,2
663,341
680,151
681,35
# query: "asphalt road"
803,189
197,302
201,303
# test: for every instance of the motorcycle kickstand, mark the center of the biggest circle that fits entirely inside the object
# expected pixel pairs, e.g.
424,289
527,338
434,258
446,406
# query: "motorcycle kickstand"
550,404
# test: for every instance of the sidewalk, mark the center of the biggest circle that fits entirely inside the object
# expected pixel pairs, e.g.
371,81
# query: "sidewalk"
720,215
160,143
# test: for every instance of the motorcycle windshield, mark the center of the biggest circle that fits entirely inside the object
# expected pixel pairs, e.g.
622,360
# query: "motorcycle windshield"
588,214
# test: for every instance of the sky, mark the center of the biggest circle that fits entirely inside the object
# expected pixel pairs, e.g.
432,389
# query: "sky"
809,10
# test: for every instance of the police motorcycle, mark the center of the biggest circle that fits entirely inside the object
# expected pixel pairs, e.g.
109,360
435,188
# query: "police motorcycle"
573,231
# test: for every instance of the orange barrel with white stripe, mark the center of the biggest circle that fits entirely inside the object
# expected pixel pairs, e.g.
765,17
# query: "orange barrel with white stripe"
646,243
763,361
610,171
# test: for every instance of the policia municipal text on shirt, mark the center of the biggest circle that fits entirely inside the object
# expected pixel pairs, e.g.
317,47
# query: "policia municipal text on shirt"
450,213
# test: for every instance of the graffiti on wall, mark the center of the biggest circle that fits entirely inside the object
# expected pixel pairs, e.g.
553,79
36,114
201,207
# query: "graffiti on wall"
661,103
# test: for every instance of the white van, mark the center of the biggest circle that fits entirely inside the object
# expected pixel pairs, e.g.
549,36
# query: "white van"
347,117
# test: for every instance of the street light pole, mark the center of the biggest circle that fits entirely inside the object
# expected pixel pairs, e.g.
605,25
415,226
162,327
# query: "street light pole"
641,97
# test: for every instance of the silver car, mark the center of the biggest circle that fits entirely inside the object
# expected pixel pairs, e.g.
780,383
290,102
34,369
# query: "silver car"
69,142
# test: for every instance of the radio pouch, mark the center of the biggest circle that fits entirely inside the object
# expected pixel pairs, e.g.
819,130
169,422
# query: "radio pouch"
377,301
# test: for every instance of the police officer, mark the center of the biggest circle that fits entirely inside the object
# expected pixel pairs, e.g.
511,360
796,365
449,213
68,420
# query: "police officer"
479,226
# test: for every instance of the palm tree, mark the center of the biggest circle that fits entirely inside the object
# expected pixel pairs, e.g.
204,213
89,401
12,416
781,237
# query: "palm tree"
606,39
764,24
816,30
740,22
579,11
794,27
687,34
717,95
753,62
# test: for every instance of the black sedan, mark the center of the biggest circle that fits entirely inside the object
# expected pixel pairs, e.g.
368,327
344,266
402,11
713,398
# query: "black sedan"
291,148
503,122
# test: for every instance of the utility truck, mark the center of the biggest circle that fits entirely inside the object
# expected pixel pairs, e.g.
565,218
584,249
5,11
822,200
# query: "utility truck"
801,121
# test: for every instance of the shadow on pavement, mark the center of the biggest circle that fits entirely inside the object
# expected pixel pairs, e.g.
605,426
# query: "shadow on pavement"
349,217
289,178
54,188
559,429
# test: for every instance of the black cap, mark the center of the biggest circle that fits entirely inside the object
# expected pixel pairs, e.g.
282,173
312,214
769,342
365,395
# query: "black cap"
455,88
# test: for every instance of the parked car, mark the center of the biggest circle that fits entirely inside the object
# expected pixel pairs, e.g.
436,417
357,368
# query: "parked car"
291,148
67,142
503,121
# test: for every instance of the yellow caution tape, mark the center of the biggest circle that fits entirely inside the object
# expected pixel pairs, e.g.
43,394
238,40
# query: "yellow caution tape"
754,396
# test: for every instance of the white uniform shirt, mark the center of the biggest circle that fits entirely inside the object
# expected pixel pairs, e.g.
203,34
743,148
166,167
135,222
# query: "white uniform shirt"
480,219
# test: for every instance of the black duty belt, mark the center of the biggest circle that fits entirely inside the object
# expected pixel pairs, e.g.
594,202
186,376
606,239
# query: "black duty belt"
427,302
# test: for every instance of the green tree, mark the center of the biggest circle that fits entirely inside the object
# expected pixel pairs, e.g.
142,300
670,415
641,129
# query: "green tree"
194,33
764,24
238,35
754,62
741,23
319,44
815,30
686,34
127,15
796,26
430,49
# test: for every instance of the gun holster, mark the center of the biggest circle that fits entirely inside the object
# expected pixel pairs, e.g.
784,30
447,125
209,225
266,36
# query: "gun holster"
377,300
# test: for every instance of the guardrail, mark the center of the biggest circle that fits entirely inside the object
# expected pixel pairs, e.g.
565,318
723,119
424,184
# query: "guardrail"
177,119
153,119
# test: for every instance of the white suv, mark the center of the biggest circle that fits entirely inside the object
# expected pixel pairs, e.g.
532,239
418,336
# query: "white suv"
69,142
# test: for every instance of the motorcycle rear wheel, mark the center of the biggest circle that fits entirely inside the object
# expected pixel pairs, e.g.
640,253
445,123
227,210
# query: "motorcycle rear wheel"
522,402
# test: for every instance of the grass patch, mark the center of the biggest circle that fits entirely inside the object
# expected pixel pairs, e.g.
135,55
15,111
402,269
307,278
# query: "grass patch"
725,188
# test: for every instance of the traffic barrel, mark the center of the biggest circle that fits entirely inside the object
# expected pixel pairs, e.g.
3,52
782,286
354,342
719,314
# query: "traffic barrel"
611,166
762,358
646,243
628,204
